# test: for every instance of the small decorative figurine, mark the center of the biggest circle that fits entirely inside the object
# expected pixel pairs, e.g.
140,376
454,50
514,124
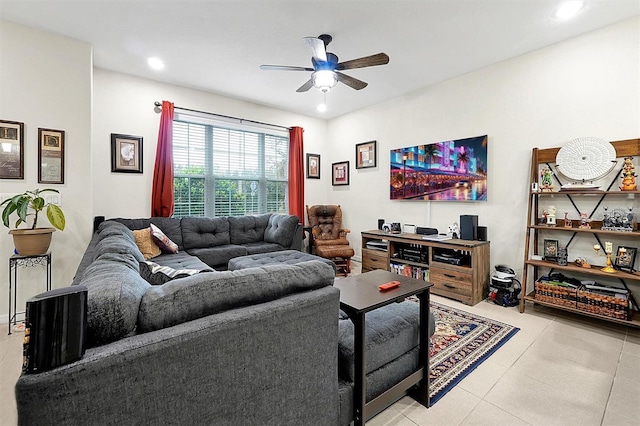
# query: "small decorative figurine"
584,221
551,216
543,219
582,262
546,184
562,256
567,221
608,248
628,175
454,230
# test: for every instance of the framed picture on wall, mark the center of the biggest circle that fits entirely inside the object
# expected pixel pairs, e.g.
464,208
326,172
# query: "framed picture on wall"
340,173
50,156
313,166
126,153
366,155
11,150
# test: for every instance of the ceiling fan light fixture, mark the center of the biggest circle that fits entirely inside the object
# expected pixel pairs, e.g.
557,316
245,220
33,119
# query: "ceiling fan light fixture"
569,9
324,79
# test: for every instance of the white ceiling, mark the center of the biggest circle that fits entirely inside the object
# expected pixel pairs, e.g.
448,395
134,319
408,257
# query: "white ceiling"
218,45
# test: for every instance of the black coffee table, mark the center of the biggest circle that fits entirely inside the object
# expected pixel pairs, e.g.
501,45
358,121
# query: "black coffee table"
359,294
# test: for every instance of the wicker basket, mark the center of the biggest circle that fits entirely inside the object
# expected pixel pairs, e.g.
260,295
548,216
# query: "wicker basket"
601,304
556,294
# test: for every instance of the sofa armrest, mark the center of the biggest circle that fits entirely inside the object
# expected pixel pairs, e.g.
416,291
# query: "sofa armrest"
296,243
267,364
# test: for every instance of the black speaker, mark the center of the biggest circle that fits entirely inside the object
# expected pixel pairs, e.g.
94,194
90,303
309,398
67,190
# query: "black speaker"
482,233
55,329
468,227
380,223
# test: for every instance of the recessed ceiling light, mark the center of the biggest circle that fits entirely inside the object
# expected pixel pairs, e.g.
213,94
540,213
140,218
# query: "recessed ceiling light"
569,9
322,107
155,63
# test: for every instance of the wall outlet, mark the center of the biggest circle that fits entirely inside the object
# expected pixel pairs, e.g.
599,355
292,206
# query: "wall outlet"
48,198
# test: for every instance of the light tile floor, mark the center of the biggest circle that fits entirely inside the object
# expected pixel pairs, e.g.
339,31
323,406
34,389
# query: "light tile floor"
559,369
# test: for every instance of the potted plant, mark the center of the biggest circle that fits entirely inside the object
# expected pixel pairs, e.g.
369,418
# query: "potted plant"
34,240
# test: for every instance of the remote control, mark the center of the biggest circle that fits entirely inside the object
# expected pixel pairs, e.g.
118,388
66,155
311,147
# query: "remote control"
389,285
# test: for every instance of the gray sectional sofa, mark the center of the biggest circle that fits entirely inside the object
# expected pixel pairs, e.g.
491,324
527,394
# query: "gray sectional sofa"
263,345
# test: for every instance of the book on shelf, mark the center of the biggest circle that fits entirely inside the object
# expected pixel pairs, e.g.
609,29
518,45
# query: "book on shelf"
417,272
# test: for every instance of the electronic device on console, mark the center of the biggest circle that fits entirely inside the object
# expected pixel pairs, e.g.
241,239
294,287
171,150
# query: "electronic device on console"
450,258
414,253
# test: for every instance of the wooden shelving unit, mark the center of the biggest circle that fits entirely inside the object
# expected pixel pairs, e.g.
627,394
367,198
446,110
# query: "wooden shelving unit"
467,282
533,268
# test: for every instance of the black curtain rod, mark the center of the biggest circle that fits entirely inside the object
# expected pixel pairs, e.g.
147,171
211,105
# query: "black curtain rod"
241,120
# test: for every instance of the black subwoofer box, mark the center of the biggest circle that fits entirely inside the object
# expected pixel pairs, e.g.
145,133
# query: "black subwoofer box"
468,227
55,329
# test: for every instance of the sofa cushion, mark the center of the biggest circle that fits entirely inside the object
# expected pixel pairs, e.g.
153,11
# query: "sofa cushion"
171,226
390,331
218,256
162,241
180,260
117,244
248,229
201,232
114,295
200,295
281,229
109,228
288,257
156,274
145,243
262,247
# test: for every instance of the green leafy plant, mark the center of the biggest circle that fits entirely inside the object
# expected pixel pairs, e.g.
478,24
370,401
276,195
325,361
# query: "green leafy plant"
30,203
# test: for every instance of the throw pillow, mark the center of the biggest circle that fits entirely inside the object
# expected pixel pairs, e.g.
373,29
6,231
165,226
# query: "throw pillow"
157,275
163,242
145,243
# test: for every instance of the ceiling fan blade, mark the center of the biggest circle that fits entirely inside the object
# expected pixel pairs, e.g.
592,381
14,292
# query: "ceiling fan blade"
284,68
317,48
354,83
305,87
367,61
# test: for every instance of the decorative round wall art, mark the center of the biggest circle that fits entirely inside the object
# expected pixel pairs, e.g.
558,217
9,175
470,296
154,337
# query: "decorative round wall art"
586,158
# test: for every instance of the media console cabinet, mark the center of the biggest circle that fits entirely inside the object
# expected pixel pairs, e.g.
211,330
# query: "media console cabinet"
458,269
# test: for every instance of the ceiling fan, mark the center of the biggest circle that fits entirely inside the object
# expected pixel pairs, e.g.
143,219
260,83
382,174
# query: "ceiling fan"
326,68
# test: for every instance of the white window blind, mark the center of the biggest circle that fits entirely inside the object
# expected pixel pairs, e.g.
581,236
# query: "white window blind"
224,171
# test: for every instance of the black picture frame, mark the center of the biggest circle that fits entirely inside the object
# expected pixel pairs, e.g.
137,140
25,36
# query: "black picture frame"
366,155
11,149
126,153
625,258
51,156
550,249
340,173
313,166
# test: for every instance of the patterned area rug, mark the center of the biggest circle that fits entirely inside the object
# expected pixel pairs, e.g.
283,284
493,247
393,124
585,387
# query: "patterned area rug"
461,342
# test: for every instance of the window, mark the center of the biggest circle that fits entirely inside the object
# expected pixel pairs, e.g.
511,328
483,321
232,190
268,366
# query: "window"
220,170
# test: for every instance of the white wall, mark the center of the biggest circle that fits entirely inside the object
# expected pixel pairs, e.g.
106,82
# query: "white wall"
587,86
45,81
125,104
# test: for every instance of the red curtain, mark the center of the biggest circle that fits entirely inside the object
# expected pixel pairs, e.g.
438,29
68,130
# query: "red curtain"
296,173
162,186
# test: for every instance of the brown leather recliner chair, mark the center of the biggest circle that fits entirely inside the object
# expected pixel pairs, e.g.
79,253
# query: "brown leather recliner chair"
328,238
